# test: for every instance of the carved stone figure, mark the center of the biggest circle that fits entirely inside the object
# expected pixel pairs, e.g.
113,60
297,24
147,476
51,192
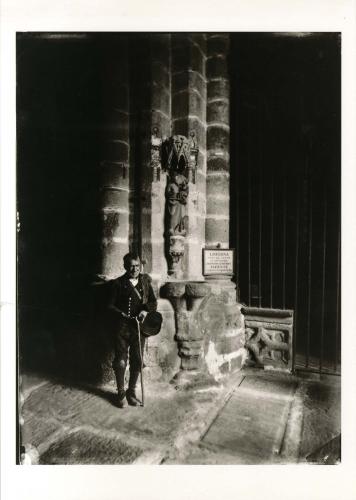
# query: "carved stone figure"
177,193
177,155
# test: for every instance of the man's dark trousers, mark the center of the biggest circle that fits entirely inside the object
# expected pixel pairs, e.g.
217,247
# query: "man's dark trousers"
127,346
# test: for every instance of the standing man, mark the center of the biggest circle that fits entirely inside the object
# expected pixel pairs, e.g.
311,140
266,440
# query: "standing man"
131,297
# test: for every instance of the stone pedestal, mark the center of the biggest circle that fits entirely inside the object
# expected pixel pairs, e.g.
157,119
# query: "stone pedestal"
209,330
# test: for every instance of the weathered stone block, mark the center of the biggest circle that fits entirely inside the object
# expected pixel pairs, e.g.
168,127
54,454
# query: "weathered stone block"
197,105
201,171
200,40
146,223
116,125
224,368
197,60
180,58
227,345
197,289
189,80
112,265
182,324
180,104
116,95
179,40
269,315
217,67
173,289
146,254
151,356
218,44
162,122
180,126
160,99
218,163
197,82
218,138
116,151
160,73
115,174
219,89
217,184
160,46
114,198
190,347
237,362
115,225
218,111
180,81
187,55
218,205
152,373
190,363
217,230
199,128
212,317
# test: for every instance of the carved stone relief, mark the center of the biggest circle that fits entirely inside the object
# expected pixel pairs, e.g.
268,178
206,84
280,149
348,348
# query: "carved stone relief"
269,334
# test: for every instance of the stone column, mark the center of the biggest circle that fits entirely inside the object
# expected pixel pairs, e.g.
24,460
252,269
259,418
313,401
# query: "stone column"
189,114
152,116
115,170
153,233
151,125
218,136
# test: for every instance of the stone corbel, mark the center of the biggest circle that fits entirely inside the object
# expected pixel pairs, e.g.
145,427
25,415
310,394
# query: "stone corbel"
186,299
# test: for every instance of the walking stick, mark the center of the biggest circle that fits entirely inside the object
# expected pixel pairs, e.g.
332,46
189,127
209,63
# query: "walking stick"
141,371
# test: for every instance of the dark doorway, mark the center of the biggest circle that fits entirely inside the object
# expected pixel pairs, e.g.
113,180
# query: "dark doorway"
286,183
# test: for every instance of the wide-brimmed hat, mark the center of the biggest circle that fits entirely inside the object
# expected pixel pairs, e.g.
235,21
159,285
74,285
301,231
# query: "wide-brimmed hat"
152,323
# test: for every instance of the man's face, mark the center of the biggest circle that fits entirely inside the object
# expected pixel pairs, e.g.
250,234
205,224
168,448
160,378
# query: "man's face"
133,268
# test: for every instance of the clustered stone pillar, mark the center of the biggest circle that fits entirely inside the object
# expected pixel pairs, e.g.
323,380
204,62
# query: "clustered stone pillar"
218,135
177,131
115,170
157,112
189,115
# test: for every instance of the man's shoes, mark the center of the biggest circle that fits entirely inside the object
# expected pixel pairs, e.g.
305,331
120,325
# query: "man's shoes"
132,399
120,402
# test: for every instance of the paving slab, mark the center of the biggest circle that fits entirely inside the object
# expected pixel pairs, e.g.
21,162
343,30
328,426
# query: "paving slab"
253,422
88,448
253,417
56,412
321,415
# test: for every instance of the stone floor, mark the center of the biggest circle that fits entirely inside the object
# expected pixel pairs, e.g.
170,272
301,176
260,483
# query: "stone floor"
254,417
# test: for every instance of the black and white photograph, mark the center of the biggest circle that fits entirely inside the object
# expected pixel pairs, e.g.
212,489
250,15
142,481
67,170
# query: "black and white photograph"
177,251
178,202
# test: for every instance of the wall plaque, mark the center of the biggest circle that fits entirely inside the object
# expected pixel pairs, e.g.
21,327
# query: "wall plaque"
218,261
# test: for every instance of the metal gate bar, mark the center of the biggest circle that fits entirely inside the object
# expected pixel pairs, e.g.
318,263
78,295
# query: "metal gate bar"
296,271
323,281
337,326
284,240
249,218
271,245
310,249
